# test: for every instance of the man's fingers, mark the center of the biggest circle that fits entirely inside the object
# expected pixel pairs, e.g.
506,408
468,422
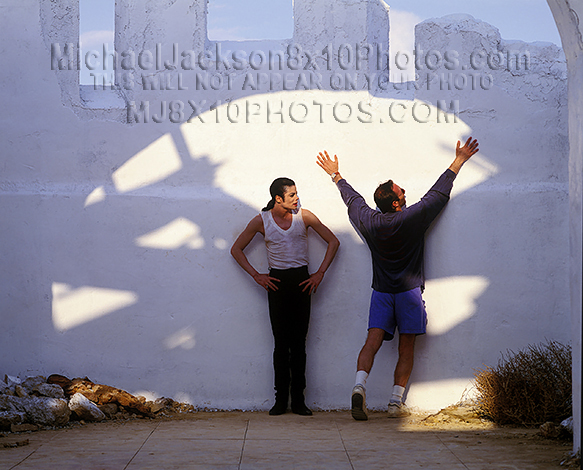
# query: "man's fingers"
311,287
308,285
471,143
271,285
324,160
267,282
324,156
469,148
473,146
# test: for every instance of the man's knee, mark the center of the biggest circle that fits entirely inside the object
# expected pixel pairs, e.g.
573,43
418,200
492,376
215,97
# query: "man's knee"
406,344
375,339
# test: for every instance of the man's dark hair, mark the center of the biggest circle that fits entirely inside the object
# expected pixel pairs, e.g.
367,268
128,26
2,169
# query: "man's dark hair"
384,196
277,188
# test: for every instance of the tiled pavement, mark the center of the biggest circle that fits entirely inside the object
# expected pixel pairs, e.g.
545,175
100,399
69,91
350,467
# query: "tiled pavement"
237,440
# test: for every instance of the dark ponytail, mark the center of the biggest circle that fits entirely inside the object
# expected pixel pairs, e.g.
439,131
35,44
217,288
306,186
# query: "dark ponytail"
277,188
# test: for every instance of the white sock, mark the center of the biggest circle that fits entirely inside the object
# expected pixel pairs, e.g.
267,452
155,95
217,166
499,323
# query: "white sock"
361,377
397,396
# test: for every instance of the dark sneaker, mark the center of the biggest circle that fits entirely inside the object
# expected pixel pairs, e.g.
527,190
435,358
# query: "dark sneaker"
358,400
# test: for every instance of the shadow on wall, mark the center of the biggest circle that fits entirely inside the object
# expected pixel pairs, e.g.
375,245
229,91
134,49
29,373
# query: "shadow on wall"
159,292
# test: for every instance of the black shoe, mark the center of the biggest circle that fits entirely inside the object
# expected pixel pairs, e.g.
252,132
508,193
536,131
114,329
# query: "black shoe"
279,408
301,409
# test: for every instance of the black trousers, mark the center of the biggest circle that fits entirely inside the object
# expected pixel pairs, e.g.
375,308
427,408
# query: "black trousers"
289,312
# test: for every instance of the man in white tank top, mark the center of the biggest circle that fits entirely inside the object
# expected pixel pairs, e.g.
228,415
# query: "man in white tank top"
288,284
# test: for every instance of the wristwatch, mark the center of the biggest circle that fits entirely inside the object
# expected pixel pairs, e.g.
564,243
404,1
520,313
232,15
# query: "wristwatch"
334,175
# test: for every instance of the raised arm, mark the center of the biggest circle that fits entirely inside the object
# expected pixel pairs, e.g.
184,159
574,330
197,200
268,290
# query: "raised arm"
316,278
463,154
253,227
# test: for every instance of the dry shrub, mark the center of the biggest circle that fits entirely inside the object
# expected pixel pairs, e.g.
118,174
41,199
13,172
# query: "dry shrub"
527,388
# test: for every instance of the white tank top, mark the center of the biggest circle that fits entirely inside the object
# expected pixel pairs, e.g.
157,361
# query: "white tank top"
286,248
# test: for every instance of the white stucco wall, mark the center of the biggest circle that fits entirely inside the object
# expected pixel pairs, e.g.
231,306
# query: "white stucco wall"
116,235
567,14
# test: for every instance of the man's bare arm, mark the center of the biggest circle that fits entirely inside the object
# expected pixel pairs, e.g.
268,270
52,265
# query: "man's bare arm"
253,227
333,243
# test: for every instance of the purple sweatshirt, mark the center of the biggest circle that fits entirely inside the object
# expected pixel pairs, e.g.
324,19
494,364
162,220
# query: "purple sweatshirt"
396,239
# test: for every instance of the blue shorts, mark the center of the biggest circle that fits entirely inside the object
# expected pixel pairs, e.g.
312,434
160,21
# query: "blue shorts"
405,310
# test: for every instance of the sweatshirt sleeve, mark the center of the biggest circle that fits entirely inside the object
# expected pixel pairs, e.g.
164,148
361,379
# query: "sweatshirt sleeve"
359,212
428,208
420,215
444,183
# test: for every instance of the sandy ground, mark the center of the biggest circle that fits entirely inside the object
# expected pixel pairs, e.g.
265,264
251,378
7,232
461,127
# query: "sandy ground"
454,434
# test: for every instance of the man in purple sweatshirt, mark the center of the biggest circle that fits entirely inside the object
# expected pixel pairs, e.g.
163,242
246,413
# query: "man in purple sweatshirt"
395,235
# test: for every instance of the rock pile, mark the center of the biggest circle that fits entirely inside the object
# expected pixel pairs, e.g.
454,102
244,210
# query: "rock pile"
463,413
35,402
550,430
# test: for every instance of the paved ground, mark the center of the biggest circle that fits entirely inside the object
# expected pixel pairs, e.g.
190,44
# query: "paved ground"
236,440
